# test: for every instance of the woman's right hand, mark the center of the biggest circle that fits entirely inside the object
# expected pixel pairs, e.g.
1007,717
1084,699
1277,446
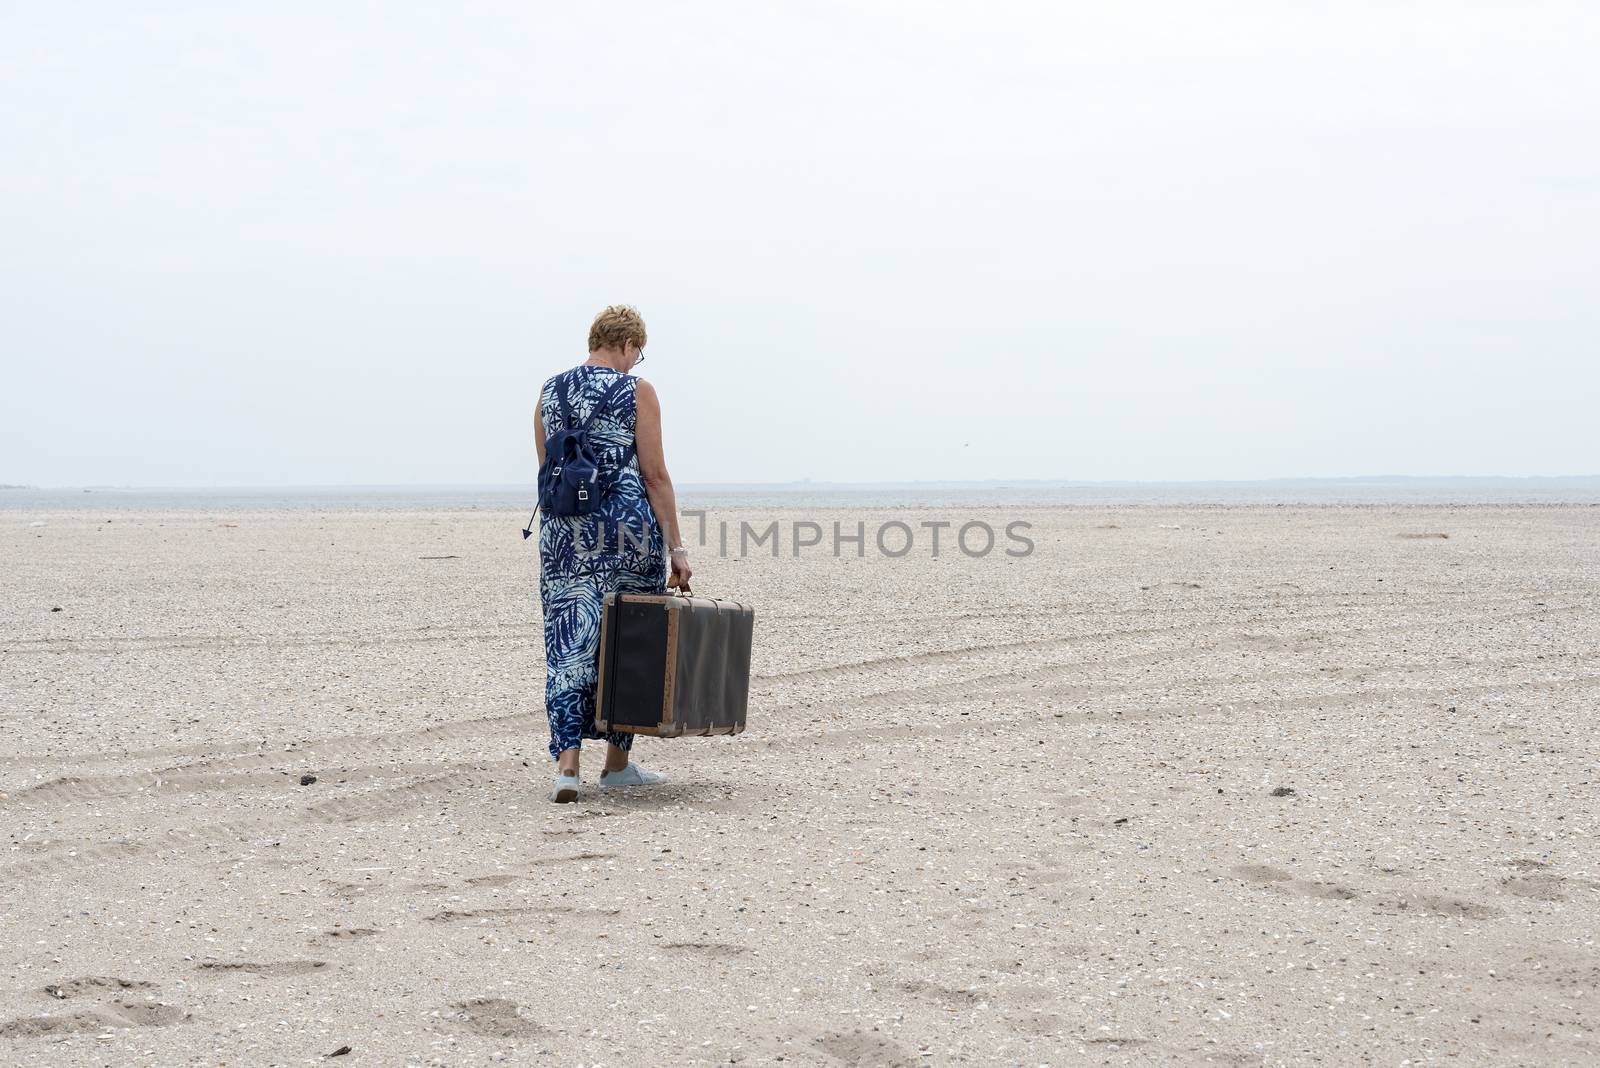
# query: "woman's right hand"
680,574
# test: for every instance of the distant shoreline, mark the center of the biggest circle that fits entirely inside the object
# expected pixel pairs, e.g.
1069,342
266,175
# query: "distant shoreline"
804,485
1576,490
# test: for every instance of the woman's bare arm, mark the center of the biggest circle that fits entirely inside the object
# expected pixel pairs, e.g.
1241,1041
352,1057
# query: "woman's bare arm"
538,428
653,461
653,467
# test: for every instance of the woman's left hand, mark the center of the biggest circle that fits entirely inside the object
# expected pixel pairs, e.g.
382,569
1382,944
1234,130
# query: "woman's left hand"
680,574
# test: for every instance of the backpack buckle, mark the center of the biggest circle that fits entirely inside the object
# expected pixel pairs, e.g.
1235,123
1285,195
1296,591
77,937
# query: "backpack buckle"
583,494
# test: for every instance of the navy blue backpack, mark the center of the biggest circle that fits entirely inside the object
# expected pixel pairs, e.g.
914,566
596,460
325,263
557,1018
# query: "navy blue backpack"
569,479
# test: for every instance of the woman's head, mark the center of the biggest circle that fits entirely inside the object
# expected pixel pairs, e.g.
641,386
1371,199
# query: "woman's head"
620,327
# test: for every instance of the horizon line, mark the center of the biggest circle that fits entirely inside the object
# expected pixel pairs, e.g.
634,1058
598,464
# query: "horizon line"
808,483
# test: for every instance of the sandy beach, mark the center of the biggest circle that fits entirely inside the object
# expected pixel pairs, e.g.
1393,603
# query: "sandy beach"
1241,786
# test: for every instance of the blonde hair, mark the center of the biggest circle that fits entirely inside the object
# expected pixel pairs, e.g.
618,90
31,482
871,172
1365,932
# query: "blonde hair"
614,327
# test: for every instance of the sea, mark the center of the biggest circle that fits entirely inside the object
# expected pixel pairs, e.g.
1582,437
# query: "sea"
1579,491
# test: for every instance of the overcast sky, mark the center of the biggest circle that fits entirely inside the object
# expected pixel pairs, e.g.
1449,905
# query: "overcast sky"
284,243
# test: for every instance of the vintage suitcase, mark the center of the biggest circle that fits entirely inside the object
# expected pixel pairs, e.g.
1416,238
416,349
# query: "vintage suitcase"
673,664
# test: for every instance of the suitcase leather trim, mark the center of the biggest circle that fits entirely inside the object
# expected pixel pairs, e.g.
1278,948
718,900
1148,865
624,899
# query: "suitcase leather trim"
668,690
600,674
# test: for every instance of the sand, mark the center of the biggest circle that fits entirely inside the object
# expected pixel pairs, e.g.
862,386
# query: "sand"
1209,786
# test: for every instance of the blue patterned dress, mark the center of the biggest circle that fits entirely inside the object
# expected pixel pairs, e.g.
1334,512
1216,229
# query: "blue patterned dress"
582,558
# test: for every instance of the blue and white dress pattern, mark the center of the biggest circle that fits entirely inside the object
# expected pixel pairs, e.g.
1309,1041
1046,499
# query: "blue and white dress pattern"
582,558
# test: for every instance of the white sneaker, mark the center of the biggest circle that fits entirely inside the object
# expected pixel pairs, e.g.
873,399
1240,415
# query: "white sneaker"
632,775
565,791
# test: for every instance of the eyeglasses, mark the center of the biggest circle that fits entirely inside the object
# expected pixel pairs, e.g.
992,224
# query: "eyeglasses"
637,360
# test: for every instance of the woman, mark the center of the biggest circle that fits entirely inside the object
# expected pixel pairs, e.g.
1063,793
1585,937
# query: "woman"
622,547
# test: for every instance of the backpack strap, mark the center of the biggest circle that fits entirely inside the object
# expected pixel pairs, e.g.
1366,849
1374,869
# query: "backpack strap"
628,454
599,406
605,399
561,399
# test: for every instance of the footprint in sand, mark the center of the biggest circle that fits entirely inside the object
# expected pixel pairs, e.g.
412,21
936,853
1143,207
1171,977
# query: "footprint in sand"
1538,886
1327,891
1435,905
66,1024
1043,1024
947,996
720,950
468,915
1538,882
493,880
1430,904
489,1017
283,967
1283,882
93,984
863,1049
1262,873
149,1013
120,1012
